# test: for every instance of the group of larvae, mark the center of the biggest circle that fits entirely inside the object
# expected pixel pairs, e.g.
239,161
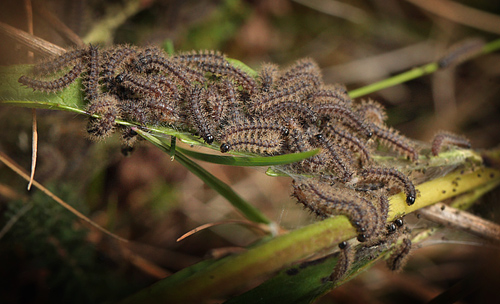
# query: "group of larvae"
280,111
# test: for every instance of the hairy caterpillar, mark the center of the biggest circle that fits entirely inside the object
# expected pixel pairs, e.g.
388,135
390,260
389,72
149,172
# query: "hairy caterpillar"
91,81
391,138
390,175
399,257
55,85
444,138
460,52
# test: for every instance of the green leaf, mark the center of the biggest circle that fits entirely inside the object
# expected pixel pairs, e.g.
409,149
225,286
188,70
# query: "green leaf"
245,68
12,92
250,161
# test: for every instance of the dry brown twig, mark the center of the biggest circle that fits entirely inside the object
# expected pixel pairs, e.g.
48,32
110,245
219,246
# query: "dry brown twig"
31,42
451,217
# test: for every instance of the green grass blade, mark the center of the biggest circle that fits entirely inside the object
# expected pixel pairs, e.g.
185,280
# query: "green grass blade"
249,211
42,105
413,74
395,80
245,161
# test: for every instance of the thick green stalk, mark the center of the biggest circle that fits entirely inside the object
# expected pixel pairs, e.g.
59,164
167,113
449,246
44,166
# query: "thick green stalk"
226,275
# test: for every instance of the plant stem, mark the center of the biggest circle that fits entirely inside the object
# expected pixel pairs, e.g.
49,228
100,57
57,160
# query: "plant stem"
413,74
226,275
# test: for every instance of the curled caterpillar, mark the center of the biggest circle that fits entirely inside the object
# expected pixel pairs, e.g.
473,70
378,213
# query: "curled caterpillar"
390,175
215,62
107,107
444,138
344,262
295,91
326,200
400,256
372,111
460,52
391,138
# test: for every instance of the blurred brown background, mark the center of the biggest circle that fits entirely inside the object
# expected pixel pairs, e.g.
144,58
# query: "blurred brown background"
48,257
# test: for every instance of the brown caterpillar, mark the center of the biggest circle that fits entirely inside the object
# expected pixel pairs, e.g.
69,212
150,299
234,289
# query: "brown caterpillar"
303,76
460,52
116,59
344,138
263,137
344,262
55,64
136,110
400,256
55,85
216,63
223,102
268,76
333,157
391,175
258,127
444,138
199,117
233,105
138,84
392,139
344,114
326,200
295,91
170,91
150,110
299,140
161,111
91,82
291,109
383,206
331,94
197,57
153,59
107,107
269,145
216,104
303,68
225,69
372,111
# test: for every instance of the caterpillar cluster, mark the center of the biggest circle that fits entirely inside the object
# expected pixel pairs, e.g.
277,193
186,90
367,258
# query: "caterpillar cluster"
281,111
